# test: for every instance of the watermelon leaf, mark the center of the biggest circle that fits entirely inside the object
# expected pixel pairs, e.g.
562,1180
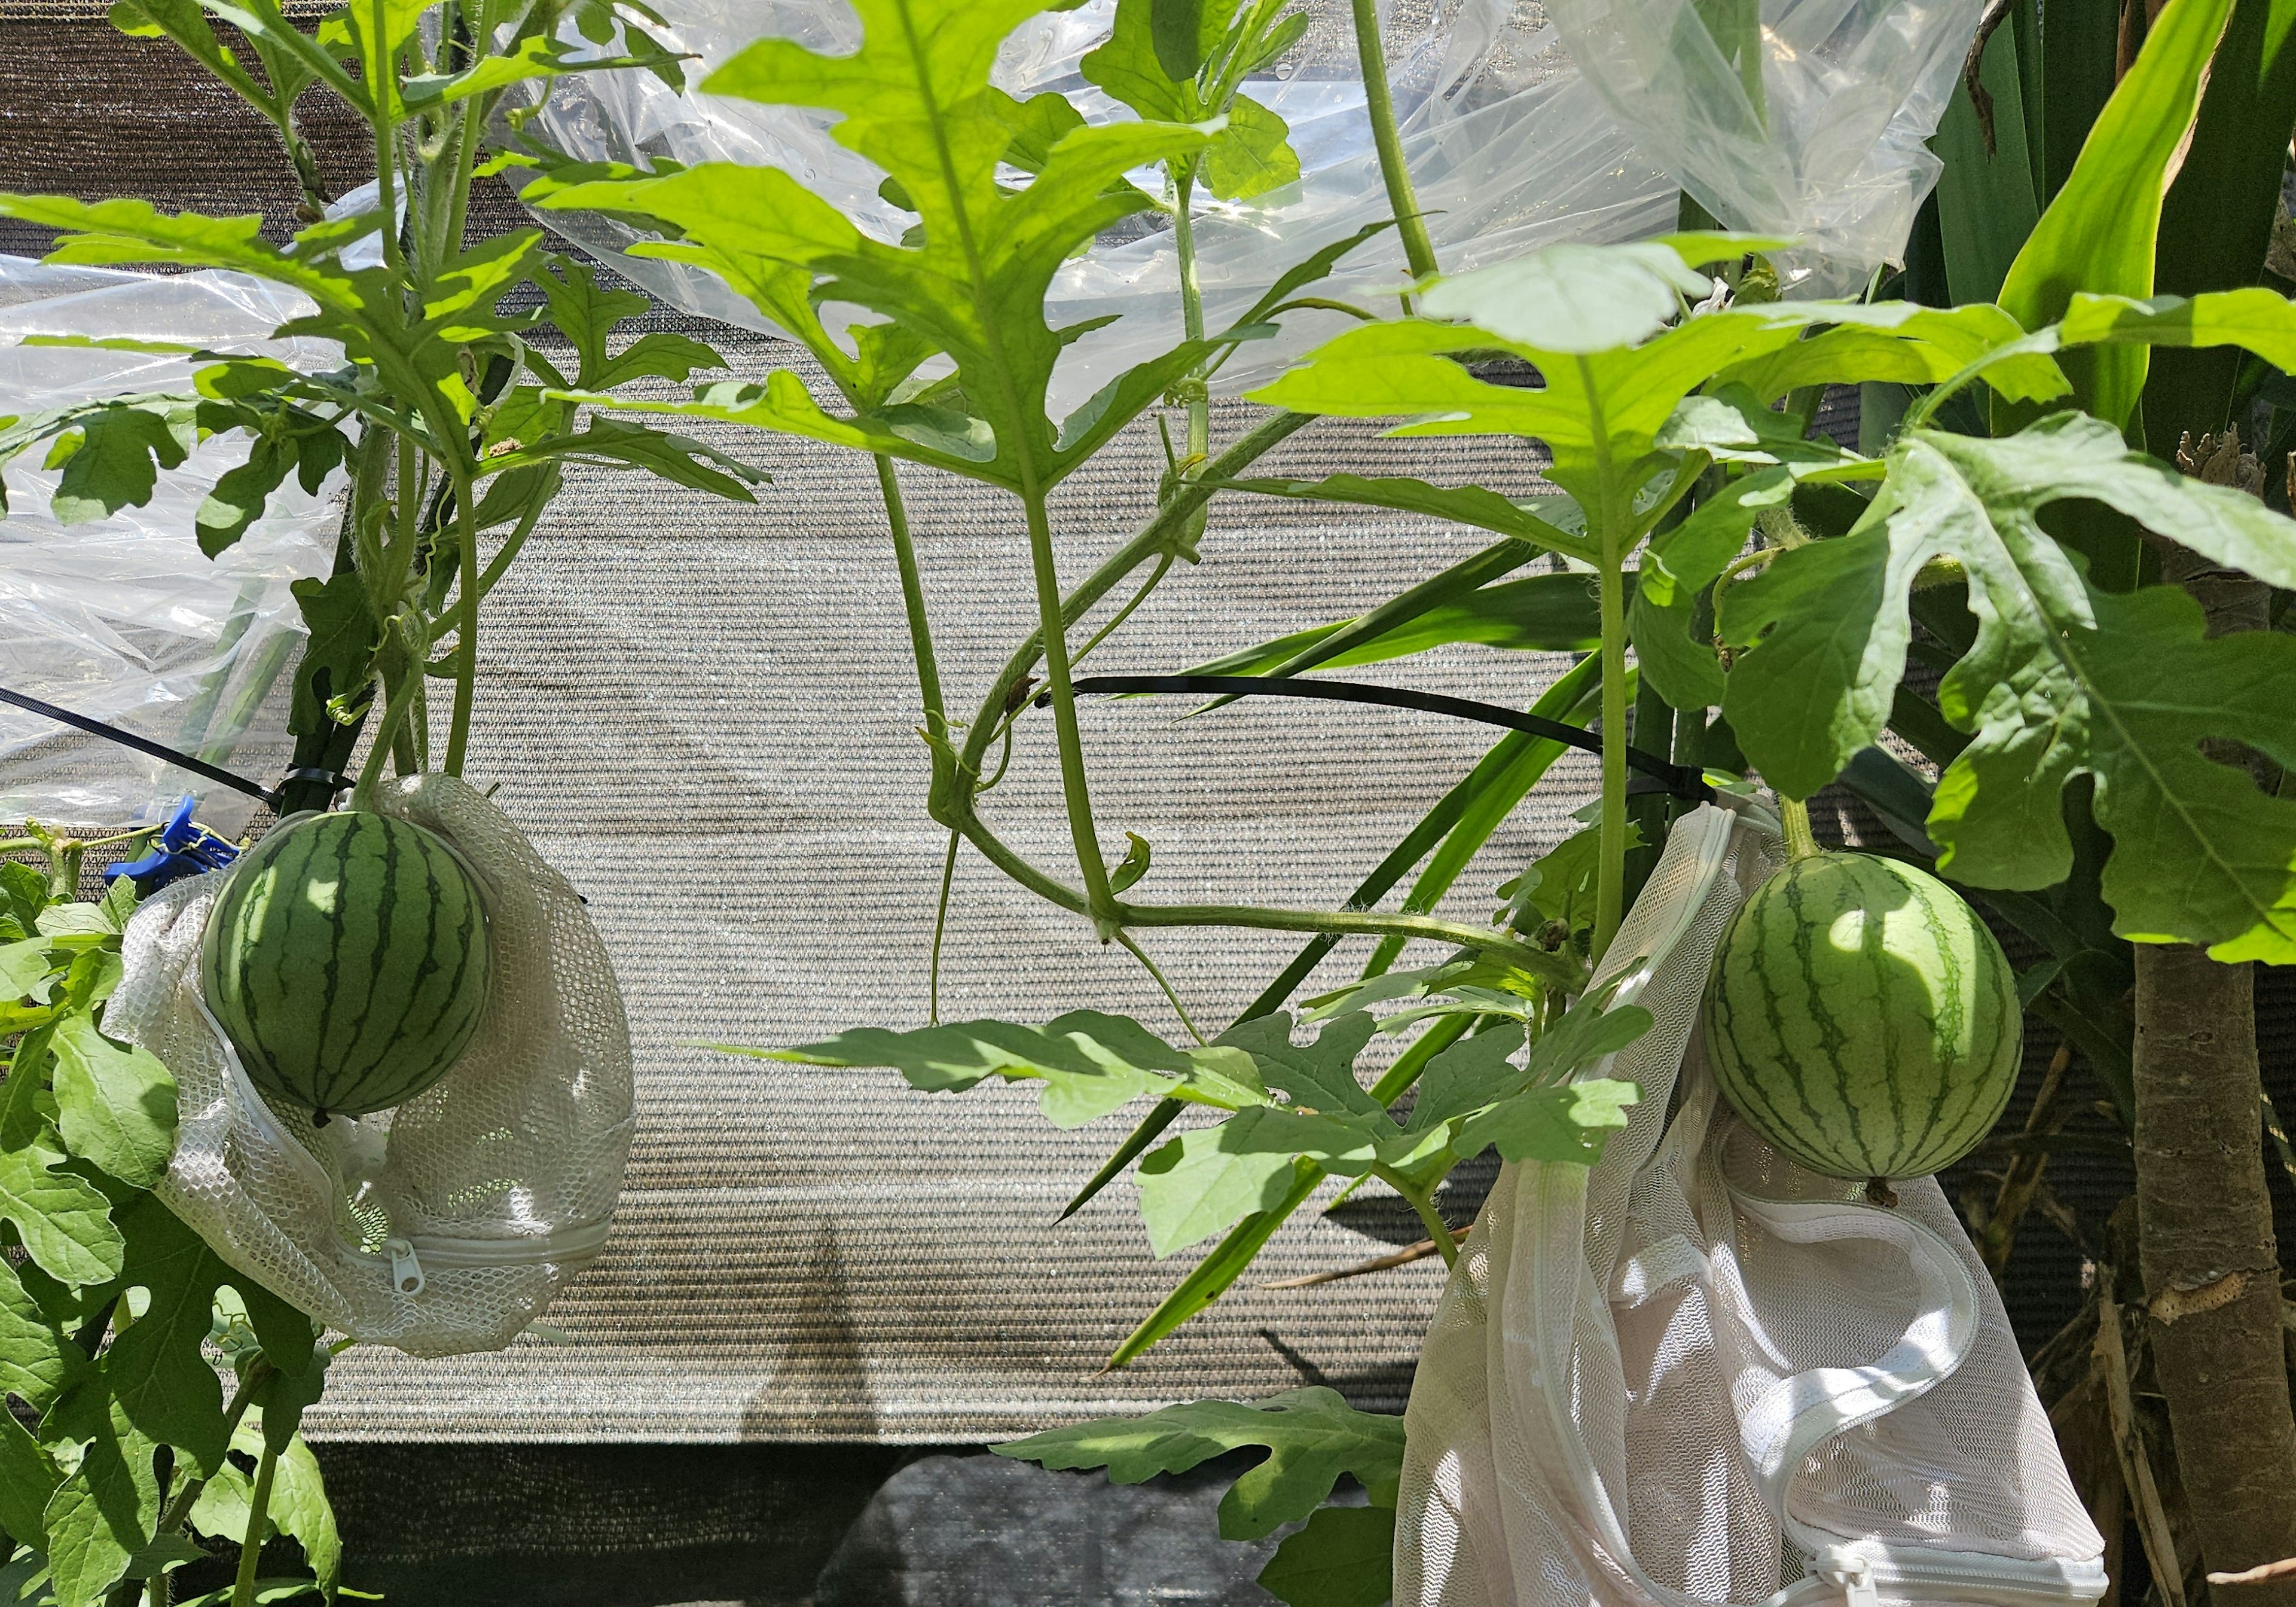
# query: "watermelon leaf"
1570,1124
1164,60
116,1103
1208,1178
2062,680
1091,1063
63,1222
917,102
28,1477
158,1369
104,1513
1320,1074
37,1361
1345,1557
1312,1437
111,456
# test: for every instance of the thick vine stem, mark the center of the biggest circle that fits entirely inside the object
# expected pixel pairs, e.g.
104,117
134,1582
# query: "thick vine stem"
1379,101
1801,842
259,1519
1347,921
1616,536
1075,791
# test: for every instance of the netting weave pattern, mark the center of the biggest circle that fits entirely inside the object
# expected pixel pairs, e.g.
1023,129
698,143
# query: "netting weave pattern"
447,1225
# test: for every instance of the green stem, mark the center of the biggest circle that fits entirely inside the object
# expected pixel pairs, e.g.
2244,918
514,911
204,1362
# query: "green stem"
1075,789
1170,994
386,735
1260,918
1801,842
465,159
1155,579
1192,322
258,1518
913,599
386,153
1254,917
940,927
466,645
1379,101
1153,538
1610,895
1440,1231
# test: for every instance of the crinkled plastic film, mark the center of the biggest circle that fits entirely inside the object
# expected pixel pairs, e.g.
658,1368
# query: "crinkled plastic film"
1511,150
124,619
1799,117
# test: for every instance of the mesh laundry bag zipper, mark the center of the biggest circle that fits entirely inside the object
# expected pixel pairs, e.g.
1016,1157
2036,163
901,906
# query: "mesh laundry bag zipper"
1697,1373
449,1224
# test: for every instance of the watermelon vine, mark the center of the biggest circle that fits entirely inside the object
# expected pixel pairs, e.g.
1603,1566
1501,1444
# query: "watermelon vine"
1746,593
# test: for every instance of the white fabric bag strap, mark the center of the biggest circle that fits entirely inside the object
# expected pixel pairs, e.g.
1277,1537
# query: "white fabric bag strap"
1797,1415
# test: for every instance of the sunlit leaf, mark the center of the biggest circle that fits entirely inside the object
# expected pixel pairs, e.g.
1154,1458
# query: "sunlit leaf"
2062,680
1313,1437
1345,1557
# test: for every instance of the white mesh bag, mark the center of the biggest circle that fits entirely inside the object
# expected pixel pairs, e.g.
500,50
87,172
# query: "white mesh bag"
450,1223
1695,1372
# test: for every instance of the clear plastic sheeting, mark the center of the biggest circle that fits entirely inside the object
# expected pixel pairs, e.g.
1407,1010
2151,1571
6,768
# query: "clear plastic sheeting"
124,619
1512,149
1799,117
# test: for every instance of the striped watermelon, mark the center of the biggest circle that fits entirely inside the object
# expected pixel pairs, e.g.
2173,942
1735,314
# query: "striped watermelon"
346,959
1863,1020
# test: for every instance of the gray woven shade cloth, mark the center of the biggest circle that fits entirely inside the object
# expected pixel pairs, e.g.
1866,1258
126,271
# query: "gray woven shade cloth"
704,714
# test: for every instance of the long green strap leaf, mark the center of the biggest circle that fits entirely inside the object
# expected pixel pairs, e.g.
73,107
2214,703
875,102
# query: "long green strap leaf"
2099,233
2217,221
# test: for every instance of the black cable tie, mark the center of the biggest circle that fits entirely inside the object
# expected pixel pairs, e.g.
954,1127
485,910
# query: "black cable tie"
1686,782
142,744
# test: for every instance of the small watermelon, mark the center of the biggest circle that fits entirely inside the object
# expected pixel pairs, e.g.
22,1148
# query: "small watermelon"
347,961
1862,1019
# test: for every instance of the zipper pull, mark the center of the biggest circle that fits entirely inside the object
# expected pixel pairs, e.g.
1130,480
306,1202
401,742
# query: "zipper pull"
406,1271
1840,1565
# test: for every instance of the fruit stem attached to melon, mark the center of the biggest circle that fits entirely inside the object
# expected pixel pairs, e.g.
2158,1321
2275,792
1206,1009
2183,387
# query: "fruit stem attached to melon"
1801,842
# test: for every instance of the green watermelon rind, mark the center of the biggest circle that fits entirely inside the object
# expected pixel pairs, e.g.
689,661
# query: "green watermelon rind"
339,1010
1893,1061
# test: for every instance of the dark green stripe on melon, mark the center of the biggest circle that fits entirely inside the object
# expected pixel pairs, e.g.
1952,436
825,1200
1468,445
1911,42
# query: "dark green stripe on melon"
1862,1019
347,961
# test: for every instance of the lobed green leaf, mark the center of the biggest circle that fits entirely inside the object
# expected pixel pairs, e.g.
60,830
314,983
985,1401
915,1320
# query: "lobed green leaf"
1312,1436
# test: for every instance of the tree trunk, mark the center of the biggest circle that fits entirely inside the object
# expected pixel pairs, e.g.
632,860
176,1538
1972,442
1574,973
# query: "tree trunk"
2205,1242
2210,1267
